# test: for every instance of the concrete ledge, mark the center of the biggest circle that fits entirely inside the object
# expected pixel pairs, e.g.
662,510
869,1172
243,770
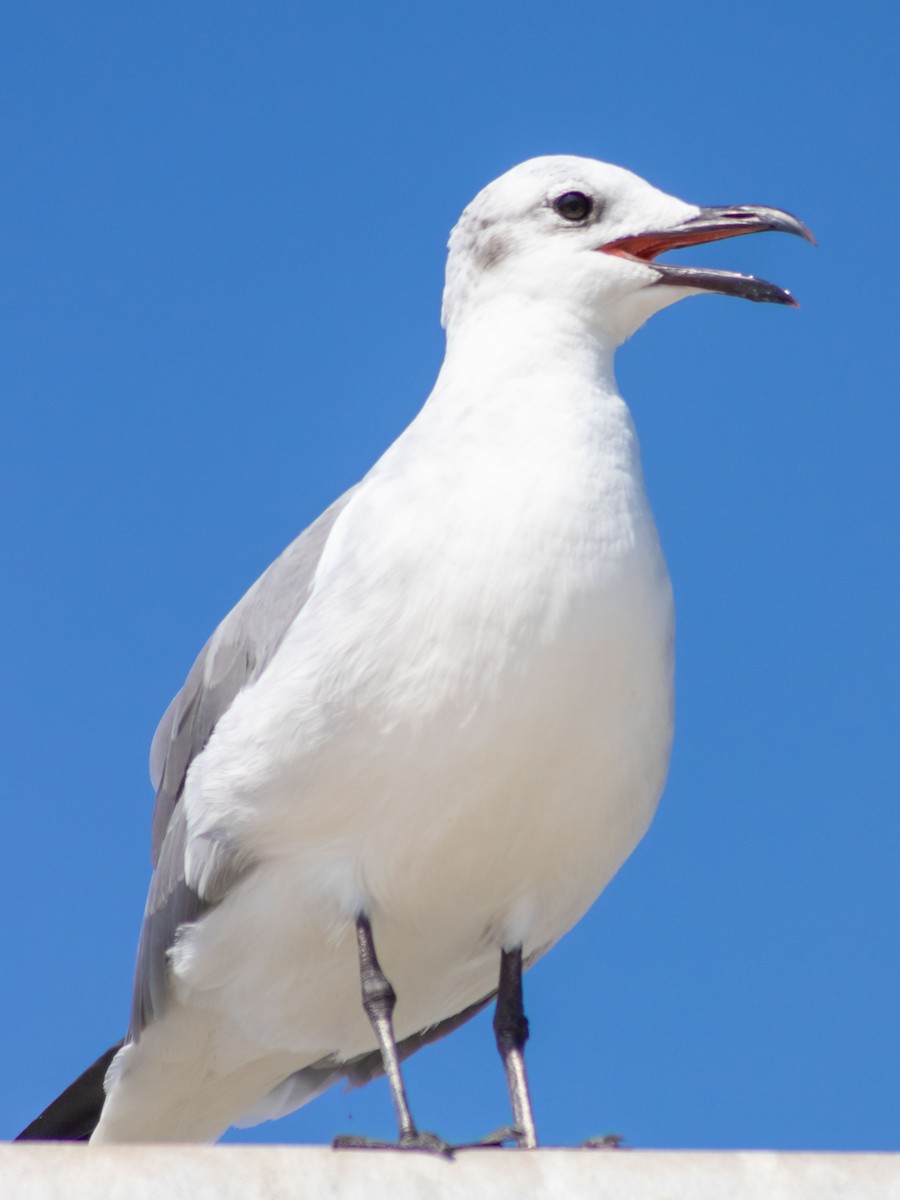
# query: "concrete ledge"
60,1171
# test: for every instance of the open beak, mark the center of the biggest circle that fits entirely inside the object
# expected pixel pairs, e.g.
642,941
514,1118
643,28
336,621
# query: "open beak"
711,225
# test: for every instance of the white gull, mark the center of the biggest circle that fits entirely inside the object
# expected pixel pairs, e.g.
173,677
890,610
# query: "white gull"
430,734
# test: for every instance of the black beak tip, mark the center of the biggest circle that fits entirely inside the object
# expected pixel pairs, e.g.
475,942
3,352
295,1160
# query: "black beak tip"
785,222
805,232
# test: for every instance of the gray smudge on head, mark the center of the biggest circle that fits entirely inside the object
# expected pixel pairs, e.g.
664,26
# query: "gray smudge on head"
490,249
478,243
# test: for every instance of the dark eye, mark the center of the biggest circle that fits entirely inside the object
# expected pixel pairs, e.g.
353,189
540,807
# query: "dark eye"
573,206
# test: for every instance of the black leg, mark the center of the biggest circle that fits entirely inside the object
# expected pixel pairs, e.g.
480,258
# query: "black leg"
511,1031
378,999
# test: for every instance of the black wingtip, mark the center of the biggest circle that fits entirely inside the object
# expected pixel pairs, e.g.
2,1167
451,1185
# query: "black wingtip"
73,1115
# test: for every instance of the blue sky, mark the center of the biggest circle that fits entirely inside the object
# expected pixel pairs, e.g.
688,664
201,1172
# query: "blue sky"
223,241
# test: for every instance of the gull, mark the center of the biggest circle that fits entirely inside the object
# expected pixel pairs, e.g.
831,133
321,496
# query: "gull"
414,754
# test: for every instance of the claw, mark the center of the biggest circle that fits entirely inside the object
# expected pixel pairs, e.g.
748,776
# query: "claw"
498,1139
506,1133
429,1142
607,1141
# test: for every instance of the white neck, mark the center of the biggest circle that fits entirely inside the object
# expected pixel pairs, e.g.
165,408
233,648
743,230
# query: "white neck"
526,421
506,338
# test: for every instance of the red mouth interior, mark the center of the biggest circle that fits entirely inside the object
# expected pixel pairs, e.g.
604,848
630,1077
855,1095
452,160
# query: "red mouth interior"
646,246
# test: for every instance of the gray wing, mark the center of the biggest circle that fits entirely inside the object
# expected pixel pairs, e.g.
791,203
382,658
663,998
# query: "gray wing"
303,1085
236,654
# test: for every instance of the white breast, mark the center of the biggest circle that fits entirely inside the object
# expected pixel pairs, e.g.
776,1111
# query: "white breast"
465,733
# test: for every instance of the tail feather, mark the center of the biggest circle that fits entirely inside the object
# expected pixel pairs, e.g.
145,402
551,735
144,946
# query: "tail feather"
73,1116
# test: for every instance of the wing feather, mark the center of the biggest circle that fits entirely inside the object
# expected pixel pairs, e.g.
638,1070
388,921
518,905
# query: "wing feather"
237,654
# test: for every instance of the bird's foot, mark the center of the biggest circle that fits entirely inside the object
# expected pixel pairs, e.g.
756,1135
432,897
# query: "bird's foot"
607,1141
419,1140
500,1137
429,1142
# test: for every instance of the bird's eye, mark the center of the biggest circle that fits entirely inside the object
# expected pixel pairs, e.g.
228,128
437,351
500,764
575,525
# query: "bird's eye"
573,206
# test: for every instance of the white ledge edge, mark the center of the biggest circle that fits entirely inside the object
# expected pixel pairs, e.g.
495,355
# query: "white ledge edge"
71,1171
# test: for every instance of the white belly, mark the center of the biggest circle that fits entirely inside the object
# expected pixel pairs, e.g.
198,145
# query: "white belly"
479,793
464,734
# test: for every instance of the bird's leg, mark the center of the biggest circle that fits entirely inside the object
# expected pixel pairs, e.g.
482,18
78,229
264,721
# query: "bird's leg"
511,1032
378,999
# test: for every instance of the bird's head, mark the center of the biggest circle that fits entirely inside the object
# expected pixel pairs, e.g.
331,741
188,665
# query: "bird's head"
584,236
